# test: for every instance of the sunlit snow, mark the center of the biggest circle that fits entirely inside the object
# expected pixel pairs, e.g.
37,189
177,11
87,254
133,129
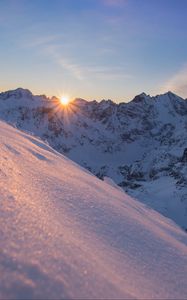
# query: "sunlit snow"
66,234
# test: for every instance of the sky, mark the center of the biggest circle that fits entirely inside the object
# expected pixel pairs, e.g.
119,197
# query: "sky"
94,49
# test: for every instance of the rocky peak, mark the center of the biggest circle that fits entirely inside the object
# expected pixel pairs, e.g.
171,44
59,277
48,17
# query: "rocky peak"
19,93
140,98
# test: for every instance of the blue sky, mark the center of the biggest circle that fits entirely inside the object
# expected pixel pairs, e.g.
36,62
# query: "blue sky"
94,49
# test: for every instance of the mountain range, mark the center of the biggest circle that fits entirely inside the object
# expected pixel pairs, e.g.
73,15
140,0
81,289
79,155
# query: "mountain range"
141,145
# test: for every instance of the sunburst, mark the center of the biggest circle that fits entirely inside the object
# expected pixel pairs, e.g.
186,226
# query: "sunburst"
64,100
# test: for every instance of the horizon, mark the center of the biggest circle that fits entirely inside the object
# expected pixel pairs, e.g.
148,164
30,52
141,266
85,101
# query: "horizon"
90,100
97,49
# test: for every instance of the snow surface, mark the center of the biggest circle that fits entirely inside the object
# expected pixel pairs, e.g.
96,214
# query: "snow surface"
66,234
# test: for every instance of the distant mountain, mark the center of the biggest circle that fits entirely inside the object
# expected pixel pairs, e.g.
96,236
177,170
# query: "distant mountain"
141,145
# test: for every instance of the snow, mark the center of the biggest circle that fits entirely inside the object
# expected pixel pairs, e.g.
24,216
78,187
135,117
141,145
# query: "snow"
66,234
137,144
161,195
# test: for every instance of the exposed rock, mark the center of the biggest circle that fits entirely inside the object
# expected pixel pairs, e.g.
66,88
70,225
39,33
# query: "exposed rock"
137,144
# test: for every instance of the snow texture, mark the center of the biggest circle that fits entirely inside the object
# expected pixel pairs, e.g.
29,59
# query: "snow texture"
66,234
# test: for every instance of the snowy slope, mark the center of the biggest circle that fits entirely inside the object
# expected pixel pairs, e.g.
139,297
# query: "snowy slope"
140,145
66,234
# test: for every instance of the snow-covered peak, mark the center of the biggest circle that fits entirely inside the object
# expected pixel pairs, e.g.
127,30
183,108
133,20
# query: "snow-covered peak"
17,94
106,103
172,95
21,93
141,97
80,101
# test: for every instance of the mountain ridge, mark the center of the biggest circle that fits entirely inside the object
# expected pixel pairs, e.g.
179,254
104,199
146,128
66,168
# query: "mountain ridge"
26,91
139,144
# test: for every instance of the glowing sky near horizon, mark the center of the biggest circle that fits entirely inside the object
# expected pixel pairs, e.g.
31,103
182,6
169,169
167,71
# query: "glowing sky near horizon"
94,49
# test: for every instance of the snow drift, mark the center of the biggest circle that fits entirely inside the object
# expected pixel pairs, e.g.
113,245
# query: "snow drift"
66,234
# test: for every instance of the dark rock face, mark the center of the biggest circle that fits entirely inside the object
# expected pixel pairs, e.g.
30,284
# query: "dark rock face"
137,144
184,157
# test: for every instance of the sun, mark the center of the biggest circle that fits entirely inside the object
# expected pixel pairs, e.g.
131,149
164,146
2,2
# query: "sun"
64,100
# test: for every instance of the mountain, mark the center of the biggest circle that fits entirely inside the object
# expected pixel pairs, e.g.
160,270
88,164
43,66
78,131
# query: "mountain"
140,145
67,234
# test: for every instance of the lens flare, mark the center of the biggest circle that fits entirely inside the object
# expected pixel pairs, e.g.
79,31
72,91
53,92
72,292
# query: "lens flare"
64,100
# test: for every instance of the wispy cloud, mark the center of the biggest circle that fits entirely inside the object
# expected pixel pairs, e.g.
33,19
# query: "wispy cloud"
52,46
74,69
177,83
107,72
57,48
42,40
63,61
87,71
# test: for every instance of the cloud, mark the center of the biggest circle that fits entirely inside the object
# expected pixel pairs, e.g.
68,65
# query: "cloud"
177,83
90,71
86,71
42,40
55,48
72,68
107,72
52,46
